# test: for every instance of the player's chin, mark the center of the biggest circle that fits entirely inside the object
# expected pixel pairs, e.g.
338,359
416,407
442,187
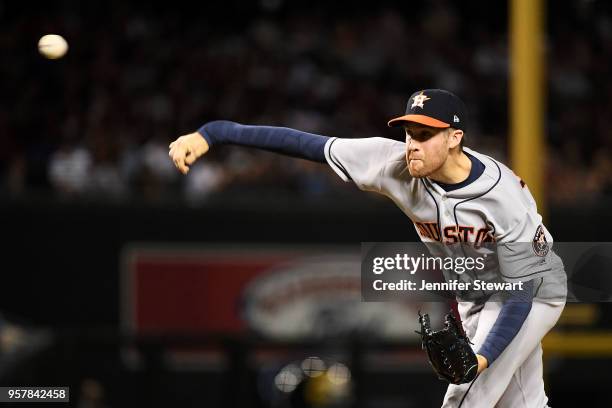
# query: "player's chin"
418,175
417,169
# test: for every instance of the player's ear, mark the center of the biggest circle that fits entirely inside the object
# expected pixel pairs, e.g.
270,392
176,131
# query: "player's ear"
454,138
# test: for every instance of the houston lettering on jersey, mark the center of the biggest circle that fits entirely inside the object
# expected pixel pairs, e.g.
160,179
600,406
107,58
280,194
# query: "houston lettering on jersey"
454,233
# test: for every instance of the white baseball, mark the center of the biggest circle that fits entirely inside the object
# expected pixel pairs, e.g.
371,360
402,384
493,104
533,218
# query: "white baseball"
52,46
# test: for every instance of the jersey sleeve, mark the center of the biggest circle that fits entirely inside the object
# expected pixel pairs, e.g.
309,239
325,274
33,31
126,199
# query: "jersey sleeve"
525,250
366,162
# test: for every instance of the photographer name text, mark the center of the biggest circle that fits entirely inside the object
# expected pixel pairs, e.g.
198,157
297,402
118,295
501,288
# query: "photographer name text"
451,285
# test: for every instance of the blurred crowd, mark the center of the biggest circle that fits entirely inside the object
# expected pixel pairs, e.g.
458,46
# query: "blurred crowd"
97,123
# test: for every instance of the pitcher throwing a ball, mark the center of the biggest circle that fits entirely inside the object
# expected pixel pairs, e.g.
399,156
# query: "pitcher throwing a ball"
452,194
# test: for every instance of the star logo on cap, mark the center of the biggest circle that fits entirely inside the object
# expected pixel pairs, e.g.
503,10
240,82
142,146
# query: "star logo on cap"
419,99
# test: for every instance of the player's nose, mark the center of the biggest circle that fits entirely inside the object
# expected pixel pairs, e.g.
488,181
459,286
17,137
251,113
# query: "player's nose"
412,145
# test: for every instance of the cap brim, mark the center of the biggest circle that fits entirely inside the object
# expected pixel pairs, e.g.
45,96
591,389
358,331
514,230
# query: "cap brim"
422,119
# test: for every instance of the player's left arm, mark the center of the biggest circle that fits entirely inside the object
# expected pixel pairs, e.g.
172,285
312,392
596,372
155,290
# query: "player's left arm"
511,317
517,262
523,244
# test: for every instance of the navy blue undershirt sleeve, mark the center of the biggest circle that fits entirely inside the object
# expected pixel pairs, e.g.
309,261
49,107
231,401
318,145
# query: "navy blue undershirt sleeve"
282,140
511,317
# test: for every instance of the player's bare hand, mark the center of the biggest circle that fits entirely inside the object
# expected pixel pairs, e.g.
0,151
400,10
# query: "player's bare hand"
185,150
482,363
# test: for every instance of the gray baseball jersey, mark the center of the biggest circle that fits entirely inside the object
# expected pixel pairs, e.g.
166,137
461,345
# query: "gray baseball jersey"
497,208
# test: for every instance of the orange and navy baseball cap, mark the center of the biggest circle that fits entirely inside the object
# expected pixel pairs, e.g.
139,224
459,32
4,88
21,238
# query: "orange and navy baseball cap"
436,108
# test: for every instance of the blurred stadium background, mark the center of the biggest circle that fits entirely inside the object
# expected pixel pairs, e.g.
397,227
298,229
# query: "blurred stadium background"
237,286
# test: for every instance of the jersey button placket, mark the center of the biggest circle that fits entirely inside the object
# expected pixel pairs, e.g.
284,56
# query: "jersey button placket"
444,214
444,208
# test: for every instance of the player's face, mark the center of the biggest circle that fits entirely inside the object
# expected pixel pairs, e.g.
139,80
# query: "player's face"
426,149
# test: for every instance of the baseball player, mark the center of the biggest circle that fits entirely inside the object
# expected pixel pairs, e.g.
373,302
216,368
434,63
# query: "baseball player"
452,194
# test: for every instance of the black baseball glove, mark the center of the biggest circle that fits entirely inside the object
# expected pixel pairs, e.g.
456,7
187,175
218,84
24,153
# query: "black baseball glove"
449,350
